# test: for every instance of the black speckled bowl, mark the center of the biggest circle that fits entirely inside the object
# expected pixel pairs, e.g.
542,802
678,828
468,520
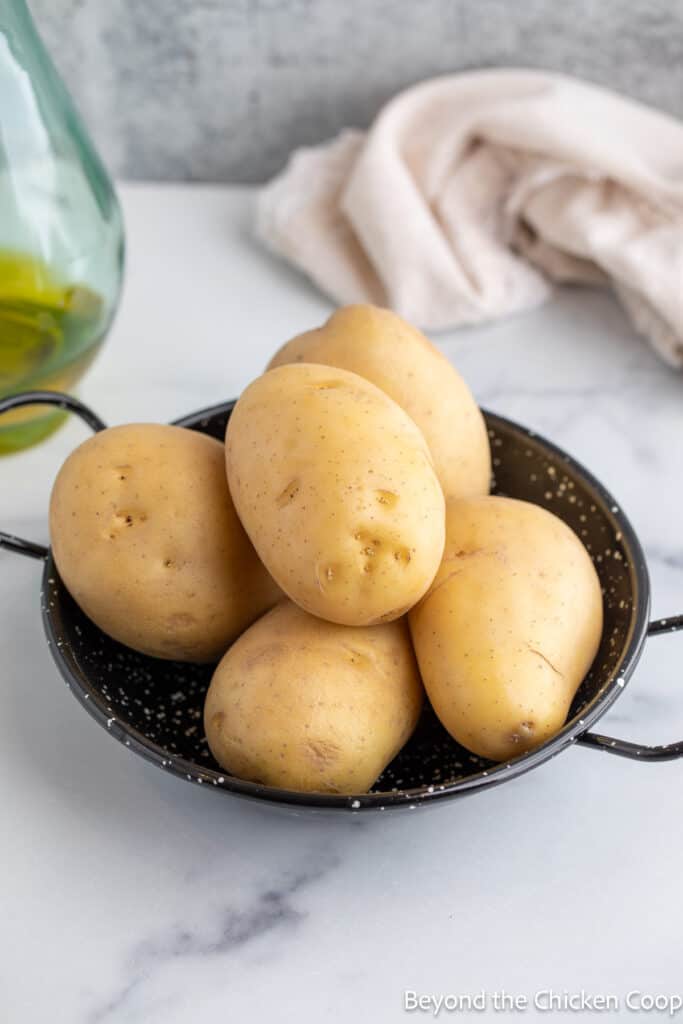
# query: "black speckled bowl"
155,707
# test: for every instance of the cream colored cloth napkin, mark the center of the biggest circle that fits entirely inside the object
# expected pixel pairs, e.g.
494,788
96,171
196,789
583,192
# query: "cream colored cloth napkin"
471,192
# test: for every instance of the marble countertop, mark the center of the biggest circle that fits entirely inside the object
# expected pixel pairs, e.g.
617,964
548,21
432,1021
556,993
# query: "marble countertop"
132,898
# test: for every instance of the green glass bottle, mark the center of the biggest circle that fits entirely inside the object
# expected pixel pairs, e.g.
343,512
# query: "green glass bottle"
61,233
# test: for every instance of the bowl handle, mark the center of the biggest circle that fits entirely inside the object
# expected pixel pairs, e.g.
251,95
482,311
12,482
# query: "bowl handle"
639,751
60,401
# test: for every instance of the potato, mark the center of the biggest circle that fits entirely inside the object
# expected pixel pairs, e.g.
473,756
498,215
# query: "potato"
335,486
146,539
308,705
380,346
509,627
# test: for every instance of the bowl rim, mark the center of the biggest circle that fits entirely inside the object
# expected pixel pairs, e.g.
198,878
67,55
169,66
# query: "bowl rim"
95,704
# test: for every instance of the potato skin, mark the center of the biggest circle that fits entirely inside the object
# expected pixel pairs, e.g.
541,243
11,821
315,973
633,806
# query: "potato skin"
382,347
147,541
509,627
335,486
307,705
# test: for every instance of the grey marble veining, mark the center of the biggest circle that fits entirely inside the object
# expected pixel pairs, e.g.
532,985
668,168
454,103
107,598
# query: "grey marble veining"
269,908
223,90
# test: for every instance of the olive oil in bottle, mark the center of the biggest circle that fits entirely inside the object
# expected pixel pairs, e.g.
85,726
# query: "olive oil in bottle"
49,331
61,234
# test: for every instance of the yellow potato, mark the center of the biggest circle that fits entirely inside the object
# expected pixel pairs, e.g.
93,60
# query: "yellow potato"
308,705
146,539
382,347
335,486
509,627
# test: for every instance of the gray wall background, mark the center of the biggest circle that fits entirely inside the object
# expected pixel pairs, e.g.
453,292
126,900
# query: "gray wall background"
223,89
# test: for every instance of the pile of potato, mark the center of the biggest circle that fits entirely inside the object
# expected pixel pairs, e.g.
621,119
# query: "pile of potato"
349,560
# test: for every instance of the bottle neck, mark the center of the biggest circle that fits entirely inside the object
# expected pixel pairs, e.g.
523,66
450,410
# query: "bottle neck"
15,16
19,30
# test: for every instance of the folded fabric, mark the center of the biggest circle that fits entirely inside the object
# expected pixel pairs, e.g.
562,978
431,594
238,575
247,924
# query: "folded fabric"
471,192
